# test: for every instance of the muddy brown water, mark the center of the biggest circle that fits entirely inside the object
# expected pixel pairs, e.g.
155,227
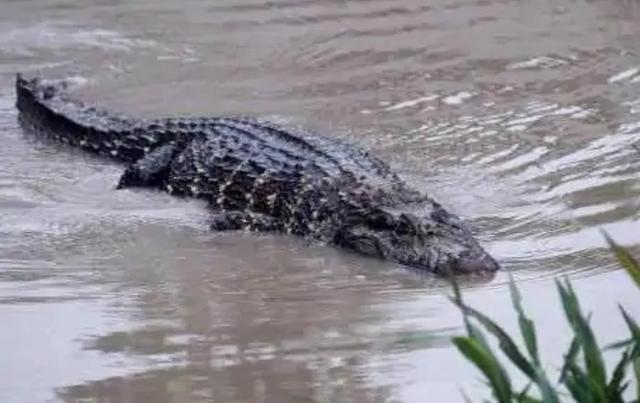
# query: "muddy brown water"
519,116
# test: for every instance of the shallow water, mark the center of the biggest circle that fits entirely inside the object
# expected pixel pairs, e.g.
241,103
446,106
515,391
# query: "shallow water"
520,116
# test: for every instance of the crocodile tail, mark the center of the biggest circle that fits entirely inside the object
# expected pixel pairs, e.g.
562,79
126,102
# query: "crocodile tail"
44,109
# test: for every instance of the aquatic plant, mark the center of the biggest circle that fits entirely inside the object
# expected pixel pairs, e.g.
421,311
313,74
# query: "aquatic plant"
583,376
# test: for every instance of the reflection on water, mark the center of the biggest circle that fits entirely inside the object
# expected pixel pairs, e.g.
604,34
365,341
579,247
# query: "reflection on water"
527,127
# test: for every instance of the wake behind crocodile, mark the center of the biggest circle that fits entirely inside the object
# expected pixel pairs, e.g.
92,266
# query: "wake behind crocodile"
263,177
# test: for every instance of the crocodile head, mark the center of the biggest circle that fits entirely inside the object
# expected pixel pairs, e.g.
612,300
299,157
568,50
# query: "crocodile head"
437,242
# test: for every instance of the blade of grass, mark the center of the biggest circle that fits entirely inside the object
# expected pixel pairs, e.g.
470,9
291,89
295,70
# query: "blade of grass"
488,365
625,259
570,358
615,386
528,399
524,398
457,300
636,372
578,385
527,327
583,373
506,343
522,395
511,350
591,352
528,331
548,392
472,331
633,326
619,344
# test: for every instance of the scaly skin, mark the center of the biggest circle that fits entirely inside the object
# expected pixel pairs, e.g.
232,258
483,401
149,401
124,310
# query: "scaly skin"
263,177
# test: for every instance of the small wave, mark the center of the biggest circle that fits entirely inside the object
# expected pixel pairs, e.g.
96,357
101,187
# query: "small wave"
634,106
411,103
625,75
24,41
630,128
543,62
511,121
458,98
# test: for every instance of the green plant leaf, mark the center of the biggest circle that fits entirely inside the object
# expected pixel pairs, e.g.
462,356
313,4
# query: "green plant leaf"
635,333
506,343
570,358
583,373
625,259
619,344
488,365
635,348
548,392
476,334
472,331
591,352
527,328
578,384
524,398
523,395
529,399
636,372
615,386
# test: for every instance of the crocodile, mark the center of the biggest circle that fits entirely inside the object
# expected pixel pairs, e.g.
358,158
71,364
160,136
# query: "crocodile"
265,177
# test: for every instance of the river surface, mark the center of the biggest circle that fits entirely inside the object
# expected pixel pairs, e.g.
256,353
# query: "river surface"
521,116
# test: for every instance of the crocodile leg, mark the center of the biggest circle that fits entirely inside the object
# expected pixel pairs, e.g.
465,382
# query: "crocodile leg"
151,170
237,220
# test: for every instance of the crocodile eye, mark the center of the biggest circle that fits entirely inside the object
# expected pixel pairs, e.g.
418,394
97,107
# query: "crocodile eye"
407,225
378,219
48,92
404,229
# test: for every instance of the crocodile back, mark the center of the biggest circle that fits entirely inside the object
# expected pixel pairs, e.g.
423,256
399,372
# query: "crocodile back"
244,163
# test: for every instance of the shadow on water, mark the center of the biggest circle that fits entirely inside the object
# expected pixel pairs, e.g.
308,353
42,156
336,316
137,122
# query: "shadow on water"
252,338
276,333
